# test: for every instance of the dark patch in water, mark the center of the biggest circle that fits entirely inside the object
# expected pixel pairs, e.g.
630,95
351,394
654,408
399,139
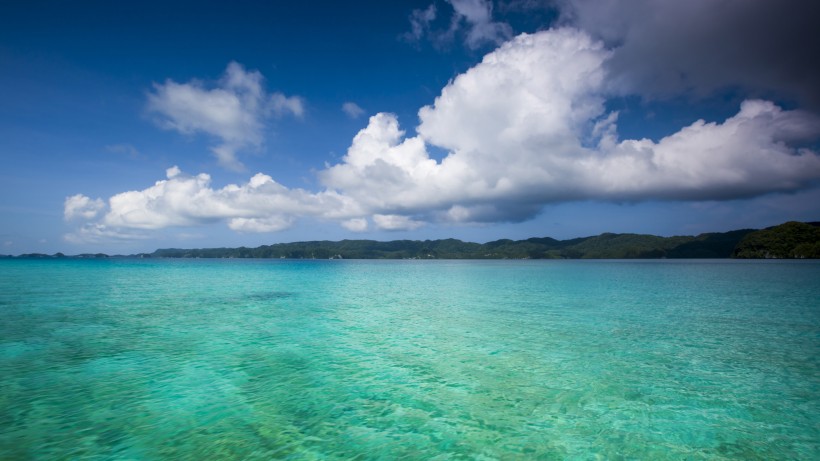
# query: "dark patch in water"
270,295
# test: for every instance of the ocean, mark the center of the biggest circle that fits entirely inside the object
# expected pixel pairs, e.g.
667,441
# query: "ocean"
445,360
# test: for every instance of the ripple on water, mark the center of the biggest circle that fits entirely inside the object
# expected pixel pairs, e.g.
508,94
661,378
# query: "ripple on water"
392,360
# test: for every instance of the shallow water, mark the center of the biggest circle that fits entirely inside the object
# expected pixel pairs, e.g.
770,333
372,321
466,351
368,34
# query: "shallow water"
262,359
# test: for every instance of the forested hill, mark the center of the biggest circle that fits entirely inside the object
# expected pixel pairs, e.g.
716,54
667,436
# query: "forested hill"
602,246
789,240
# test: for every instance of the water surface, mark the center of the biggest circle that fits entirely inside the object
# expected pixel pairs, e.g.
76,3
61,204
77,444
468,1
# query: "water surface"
264,359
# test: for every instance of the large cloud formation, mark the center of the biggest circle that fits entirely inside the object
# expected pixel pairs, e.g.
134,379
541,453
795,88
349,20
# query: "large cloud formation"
668,48
525,127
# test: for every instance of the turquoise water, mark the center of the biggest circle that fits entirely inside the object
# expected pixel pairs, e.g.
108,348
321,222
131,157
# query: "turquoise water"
269,359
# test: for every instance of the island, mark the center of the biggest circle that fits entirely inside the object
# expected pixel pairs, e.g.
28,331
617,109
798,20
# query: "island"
790,240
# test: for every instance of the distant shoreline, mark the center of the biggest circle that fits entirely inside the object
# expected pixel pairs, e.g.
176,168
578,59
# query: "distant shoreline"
790,240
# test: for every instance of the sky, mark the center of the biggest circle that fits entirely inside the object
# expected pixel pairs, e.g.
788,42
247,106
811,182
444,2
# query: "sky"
131,126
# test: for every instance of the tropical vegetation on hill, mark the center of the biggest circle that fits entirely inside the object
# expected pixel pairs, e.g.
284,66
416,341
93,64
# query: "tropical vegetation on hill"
788,240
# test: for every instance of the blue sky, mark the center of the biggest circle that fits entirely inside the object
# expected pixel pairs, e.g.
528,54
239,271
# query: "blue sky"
126,127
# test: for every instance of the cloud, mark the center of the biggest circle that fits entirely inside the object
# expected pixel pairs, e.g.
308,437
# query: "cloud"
355,224
269,224
94,233
527,127
181,200
508,123
233,111
352,109
420,21
123,149
666,48
393,222
283,105
471,19
745,156
481,29
80,206
524,128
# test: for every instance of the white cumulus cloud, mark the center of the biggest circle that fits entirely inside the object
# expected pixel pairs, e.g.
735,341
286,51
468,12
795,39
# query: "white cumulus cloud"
80,206
233,111
355,224
260,205
527,127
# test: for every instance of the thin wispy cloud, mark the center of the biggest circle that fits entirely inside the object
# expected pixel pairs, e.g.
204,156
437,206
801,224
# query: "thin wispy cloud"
283,105
98,233
471,21
123,149
352,110
420,21
477,19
